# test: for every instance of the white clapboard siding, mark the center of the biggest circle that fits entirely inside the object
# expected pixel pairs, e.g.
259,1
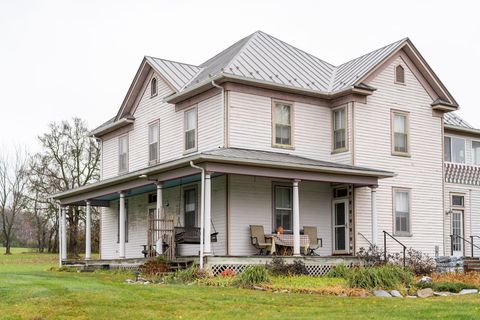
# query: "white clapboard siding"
150,109
250,126
251,204
422,171
173,206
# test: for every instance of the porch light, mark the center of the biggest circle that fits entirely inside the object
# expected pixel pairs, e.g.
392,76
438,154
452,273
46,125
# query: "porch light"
449,212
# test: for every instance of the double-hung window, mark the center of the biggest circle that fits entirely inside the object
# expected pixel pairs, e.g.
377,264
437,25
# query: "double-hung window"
400,134
153,142
123,153
190,207
401,207
454,149
476,152
283,206
282,124
339,129
190,127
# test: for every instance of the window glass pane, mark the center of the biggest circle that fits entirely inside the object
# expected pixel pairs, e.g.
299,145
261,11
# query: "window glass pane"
400,124
340,214
153,133
190,120
458,150
340,238
282,113
122,153
153,151
476,152
283,207
339,139
339,119
402,211
400,142
457,201
447,149
189,209
400,74
189,139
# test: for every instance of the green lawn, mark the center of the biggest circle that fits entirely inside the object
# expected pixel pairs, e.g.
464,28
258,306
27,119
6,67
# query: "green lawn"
29,291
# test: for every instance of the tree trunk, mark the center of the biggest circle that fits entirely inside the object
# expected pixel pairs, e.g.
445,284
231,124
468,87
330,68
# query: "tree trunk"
7,246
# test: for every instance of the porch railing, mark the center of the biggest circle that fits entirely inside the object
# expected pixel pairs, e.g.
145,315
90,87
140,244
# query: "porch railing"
366,239
456,236
385,234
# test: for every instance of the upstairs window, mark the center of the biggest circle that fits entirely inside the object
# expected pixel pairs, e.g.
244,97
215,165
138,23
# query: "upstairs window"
454,149
190,126
401,211
153,142
153,87
399,74
400,134
476,152
123,153
282,124
339,129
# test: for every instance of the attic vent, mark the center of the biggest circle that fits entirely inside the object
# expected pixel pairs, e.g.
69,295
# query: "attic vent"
399,74
153,87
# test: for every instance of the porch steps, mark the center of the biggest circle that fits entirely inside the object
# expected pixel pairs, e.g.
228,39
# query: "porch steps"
179,265
471,264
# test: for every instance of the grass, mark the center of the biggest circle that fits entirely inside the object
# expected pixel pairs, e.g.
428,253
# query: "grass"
29,291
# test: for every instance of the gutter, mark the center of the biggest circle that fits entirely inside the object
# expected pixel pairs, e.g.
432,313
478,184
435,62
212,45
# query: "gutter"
111,127
224,112
202,211
460,129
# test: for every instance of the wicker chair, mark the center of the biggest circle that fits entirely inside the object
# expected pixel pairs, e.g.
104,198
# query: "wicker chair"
315,242
257,237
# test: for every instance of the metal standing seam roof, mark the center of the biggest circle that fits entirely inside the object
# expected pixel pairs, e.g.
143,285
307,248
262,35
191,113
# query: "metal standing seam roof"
177,73
453,119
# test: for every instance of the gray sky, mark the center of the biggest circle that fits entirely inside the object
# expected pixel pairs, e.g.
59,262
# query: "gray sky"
60,59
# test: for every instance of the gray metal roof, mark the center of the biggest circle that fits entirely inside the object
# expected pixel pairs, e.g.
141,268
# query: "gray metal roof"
452,119
263,57
282,158
177,73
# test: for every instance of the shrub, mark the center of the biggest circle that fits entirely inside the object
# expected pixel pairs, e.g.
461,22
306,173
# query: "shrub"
339,271
373,256
278,267
420,263
155,267
228,273
446,286
186,276
252,276
386,277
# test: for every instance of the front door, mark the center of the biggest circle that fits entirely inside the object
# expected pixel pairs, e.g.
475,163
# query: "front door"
340,226
457,231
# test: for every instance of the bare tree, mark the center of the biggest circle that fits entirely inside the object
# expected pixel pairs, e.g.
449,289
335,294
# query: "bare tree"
69,159
13,198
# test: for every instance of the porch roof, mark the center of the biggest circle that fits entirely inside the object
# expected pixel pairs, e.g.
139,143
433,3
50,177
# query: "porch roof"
226,160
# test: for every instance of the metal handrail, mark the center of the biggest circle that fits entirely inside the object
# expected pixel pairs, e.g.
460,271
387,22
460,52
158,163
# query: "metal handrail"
452,236
471,239
385,233
361,234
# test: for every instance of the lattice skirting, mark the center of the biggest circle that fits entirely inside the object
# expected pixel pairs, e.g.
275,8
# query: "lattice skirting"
315,270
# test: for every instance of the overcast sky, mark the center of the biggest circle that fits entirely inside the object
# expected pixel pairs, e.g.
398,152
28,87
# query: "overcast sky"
64,59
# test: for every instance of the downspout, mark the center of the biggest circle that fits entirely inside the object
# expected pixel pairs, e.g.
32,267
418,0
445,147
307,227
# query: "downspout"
202,211
225,120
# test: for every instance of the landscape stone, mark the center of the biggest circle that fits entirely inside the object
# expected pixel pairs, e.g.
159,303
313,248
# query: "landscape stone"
468,291
396,294
411,297
443,294
381,293
425,293
425,279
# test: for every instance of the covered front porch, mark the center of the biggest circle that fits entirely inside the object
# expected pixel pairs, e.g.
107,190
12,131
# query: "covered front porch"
221,194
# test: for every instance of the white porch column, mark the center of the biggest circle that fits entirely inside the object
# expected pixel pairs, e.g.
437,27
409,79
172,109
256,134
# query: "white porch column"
208,213
374,214
60,245
157,217
64,232
88,231
296,219
121,224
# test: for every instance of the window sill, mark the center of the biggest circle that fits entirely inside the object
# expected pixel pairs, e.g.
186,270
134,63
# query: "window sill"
403,235
339,150
123,172
283,146
401,154
190,151
152,163
153,96
400,83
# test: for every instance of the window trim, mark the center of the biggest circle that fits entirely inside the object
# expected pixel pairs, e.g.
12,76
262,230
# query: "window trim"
394,212
451,149
152,93
290,146
157,160
195,148
394,112
197,203
120,137
473,154
395,74
344,149
274,188
452,206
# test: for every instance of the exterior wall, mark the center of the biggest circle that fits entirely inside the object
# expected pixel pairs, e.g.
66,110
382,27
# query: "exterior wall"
421,171
150,109
173,206
251,204
250,127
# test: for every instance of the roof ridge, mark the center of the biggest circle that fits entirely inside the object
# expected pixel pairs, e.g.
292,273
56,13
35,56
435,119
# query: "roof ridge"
240,50
188,64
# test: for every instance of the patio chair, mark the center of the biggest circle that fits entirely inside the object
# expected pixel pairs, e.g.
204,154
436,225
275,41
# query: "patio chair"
315,242
257,237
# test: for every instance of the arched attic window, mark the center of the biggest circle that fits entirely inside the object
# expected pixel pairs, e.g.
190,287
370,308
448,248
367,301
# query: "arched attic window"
153,87
399,74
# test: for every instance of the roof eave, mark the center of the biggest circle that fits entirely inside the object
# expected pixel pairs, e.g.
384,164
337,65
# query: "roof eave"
461,129
111,127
